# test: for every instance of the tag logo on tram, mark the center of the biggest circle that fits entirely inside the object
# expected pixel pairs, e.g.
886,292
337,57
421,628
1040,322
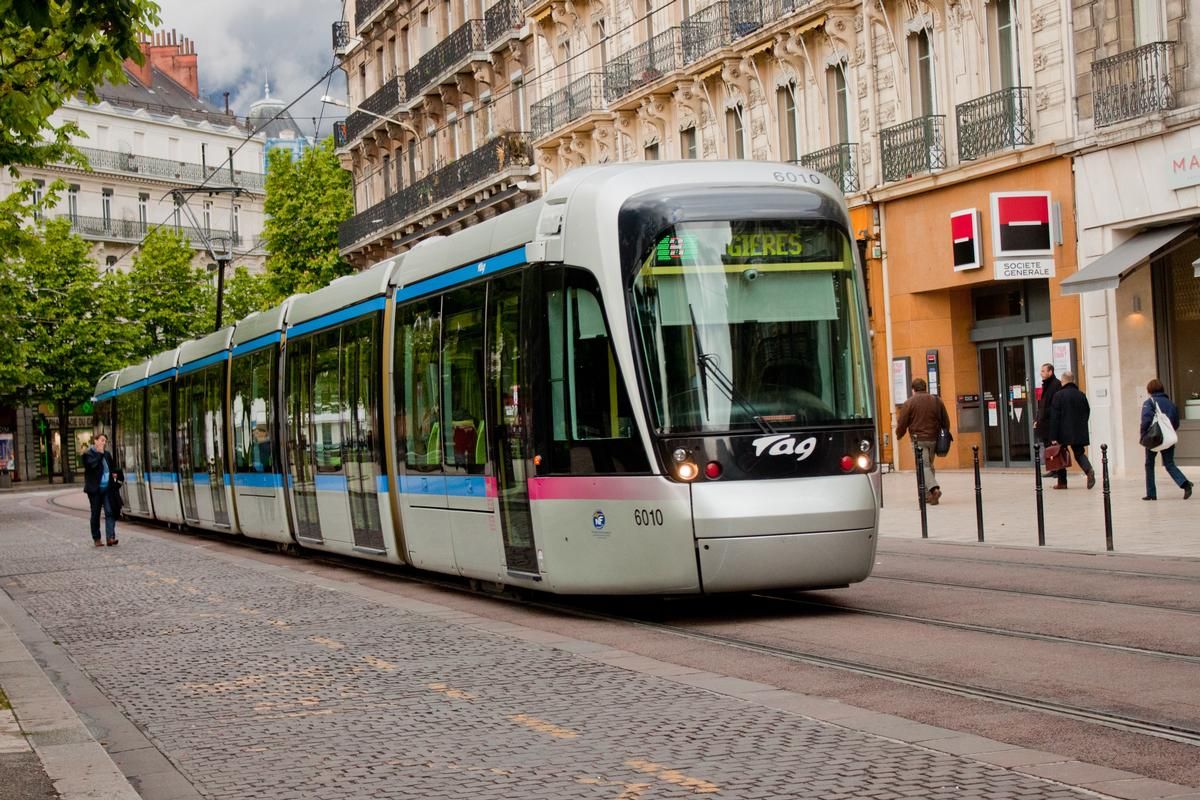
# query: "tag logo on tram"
599,520
785,445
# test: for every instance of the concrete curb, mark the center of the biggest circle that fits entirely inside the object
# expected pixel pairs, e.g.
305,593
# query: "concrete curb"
73,760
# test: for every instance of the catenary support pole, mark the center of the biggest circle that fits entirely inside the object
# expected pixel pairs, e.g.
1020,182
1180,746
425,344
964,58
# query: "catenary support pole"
1041,513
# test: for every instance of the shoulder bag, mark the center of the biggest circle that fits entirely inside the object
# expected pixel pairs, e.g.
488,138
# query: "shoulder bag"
1161,434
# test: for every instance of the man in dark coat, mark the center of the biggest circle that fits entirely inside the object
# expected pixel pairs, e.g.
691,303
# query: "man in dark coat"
923,415
1041,425
101,481
1069,416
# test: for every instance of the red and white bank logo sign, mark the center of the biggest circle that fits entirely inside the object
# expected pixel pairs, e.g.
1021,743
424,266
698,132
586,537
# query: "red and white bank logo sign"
968,246
1021,224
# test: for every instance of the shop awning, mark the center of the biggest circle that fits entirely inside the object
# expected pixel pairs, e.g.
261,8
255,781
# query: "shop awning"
1107,271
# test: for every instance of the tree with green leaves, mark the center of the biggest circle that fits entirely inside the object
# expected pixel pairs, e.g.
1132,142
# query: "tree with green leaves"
307,198
71,329
170,299
245,293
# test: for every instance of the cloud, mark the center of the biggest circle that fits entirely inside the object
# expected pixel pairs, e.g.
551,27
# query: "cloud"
241,45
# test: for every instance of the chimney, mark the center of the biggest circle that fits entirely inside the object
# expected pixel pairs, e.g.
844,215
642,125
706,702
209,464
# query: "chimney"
226,102
172,54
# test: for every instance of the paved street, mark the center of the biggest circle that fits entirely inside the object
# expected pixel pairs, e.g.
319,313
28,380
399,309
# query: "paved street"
1074,518
206,672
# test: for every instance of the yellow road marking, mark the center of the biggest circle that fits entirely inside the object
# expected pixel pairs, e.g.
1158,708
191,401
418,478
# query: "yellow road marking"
457,694
697,785
169,581
379,663
629,791
332,644
541,726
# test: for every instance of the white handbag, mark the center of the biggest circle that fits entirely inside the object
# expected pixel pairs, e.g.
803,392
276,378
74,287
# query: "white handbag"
1170,437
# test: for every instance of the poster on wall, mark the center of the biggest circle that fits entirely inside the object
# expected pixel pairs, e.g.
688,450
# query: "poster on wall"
1063,356
965,231
901,381
1021,224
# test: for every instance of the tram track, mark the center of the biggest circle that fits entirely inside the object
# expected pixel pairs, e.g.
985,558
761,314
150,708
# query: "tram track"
580,609
997,562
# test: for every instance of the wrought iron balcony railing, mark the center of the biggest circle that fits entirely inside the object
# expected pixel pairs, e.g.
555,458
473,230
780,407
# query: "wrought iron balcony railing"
644,64
382,102
166,169
913,147
340,138
364,9
501,19
483,164
341,36
838,163
132,230
994,122
1134,83
705,31
747,16
447,54
578,98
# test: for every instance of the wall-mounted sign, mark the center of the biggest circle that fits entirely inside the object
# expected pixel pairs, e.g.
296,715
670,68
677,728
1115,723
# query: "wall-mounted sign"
901,379
1021,224
1184,168
1016,269
965,230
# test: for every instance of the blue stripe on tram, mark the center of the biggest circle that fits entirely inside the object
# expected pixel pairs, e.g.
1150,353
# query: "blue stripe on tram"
337,317
257,343
201,363
472,271
259,480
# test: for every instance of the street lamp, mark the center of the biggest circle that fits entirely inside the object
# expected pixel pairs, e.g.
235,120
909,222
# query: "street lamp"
333,101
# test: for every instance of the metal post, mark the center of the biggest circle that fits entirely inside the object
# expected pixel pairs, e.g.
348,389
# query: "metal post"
978,493
1108,536
1041,514
921,489
221,262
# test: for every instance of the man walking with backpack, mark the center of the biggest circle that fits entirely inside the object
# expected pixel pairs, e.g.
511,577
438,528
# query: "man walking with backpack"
923,415
1069,418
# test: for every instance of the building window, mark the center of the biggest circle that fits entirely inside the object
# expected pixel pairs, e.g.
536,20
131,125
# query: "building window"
651,152
177,214
362,81
230,149
143,211
518,88
73,202
687,142
488,124
204,158
469,123
1147,22
839,109
387,176
106,196
1003,44
1177,319
208,216
920,51
789,122
434,151
379,66
735,126
412,161
452,137
102,136
172,148
110,262
39,193
237,222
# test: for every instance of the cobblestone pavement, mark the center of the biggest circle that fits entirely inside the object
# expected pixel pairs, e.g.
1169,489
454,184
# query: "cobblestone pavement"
264,681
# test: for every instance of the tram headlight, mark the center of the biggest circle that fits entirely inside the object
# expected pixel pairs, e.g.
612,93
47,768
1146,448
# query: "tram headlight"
864,446
687,471
863,462
680,455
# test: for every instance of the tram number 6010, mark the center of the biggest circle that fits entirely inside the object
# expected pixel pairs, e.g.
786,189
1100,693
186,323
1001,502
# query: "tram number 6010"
646,517
795,177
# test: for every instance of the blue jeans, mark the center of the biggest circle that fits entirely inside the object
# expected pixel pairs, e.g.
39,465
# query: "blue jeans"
1168,456
99,500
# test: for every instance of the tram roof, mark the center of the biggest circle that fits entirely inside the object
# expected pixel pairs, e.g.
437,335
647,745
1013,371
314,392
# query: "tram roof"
261,323
133,374
163,362
346,291
107,382
205,346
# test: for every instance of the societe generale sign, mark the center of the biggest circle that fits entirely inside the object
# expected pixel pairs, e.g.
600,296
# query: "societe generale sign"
1183,168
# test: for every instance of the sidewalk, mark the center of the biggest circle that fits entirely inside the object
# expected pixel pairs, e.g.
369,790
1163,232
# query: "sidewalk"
1074,518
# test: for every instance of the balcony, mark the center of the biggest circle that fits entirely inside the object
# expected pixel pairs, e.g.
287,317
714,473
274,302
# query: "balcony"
363,9
913,147
133,231
166,169
484,164
995,122
341,36
382,102
1133,84
747,16
643,65
502,19
577,99
448,54
340,137
838,163
705,31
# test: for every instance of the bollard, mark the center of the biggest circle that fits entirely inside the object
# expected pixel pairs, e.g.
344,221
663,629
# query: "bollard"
978,493
1041,514
1108,537
921,489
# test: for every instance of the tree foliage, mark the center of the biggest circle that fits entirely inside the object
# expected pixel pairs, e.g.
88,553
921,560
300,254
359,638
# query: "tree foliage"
245,293
307,199
169,299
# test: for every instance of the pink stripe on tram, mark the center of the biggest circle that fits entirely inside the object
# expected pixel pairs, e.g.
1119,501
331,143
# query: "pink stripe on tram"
644,487
491,486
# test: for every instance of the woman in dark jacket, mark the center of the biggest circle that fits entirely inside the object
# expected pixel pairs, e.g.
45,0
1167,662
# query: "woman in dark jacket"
1158,397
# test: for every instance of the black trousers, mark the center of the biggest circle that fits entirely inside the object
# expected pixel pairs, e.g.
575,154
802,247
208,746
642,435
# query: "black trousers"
102,500
1085,466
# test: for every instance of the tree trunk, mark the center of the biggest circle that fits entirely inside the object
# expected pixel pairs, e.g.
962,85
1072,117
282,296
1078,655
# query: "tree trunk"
66,450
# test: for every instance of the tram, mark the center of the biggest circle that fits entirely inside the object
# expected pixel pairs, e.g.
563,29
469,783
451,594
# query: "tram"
655,379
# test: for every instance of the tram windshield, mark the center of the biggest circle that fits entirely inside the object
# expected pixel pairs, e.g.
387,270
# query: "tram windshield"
751,325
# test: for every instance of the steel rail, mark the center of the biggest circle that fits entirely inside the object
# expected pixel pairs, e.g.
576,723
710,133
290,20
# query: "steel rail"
1060,567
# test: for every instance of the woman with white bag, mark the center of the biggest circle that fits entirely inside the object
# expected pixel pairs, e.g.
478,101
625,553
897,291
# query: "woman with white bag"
1160,420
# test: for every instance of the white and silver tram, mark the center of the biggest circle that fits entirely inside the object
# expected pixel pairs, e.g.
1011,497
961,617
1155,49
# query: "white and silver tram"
654,379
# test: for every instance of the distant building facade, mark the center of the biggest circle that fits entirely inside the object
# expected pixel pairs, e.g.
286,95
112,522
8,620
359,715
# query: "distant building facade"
270,117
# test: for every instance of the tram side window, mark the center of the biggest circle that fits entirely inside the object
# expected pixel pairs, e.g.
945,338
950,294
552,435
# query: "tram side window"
130,427
592,426
360,376
327,403
418,344
251,413
463,372
159,427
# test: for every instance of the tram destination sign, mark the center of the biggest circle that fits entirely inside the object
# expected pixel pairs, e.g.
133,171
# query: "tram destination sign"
1016,269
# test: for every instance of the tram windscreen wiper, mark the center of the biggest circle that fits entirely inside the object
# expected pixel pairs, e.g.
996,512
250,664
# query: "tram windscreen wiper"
707,362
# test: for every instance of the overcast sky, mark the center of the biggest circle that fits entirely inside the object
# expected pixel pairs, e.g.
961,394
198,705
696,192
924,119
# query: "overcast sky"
240,45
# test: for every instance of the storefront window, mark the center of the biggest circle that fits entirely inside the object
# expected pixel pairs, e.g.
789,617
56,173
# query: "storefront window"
1183,325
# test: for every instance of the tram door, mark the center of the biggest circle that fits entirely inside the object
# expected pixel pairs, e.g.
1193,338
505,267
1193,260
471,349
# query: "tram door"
189,415
506,419
214,432
1008,402
300,443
